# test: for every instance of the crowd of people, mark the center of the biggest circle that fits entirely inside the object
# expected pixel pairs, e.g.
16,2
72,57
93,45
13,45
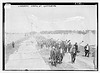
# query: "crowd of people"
60,48
58,52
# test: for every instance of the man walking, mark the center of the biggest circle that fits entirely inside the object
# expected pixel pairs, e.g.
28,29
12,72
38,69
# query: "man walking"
76,47
61,54
13,44
53,56
73,54
69,47
87,50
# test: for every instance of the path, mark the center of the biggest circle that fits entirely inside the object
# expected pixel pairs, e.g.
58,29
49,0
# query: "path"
27,57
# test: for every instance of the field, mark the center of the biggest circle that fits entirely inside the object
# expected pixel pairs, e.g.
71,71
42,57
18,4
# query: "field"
9,37
17,39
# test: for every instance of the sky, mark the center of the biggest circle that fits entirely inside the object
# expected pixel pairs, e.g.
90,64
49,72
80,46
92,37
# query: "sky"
62,17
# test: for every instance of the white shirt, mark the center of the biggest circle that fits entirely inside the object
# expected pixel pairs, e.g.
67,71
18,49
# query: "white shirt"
61,51
87,48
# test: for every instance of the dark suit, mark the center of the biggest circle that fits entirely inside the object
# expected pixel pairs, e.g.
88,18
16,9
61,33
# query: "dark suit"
76,47
87,51
53,57
13,44
69,47
73,54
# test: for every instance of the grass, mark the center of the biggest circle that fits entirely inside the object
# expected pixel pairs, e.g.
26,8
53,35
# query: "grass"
10,50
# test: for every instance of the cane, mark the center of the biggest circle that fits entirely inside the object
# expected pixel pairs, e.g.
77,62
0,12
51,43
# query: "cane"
67,41
81,42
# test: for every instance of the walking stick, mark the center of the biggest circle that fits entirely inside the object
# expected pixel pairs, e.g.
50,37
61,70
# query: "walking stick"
81,42
68,41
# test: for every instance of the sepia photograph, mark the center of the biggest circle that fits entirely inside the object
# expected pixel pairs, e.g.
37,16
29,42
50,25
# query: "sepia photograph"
50,36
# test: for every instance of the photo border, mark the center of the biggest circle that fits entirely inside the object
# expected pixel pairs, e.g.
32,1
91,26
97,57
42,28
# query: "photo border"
44,3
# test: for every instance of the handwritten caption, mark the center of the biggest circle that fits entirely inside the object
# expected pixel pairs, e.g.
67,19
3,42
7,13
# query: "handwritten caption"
36,5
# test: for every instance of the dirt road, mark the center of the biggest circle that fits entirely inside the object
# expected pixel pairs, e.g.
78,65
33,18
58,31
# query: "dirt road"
26,57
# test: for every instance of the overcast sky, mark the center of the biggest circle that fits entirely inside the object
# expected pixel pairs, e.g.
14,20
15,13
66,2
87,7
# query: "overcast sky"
61,17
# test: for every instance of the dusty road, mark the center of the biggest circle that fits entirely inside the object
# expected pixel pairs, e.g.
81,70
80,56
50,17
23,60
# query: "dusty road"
28,56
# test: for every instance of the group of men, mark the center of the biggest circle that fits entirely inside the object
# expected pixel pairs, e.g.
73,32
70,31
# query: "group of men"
58,52
59,49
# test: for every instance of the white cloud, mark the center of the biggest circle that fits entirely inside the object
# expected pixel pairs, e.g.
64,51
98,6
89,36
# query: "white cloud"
72,23
74,18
